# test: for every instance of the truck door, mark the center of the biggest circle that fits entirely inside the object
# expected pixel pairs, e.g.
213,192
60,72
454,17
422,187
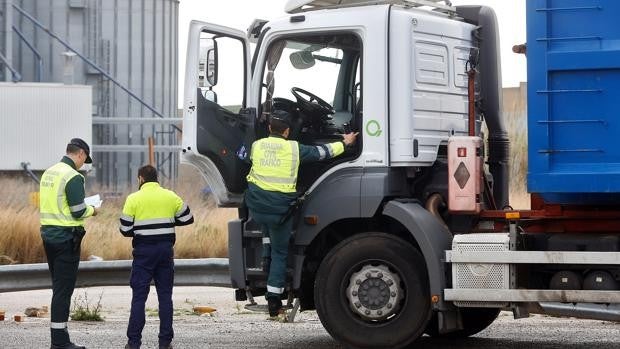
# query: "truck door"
218,129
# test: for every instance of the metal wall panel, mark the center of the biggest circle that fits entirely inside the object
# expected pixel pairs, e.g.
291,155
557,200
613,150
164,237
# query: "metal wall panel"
136,42
38,120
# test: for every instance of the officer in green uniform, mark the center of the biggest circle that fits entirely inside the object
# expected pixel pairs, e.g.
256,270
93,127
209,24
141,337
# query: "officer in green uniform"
272,185
62,227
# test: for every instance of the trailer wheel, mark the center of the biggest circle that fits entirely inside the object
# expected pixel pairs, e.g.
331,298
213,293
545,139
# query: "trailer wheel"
474,320
371,291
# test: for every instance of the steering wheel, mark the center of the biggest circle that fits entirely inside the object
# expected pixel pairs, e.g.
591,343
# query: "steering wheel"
312,104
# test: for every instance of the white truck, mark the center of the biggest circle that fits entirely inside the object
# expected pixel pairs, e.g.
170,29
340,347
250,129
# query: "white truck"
409,231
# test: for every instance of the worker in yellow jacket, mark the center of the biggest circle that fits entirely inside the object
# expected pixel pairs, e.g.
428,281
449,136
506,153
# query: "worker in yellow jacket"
149,217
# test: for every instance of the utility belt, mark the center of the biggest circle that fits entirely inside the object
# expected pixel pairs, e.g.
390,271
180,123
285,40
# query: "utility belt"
293,209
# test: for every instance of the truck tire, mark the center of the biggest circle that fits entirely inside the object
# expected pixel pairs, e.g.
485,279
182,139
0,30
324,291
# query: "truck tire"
371,291
474,320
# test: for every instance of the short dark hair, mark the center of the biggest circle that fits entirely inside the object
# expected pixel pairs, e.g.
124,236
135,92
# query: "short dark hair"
279,121
73,149
148,173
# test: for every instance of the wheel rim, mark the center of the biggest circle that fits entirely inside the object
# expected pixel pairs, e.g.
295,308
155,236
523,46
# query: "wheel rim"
374,292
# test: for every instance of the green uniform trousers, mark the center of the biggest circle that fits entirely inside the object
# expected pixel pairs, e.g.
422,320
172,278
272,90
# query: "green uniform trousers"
63,260
279,235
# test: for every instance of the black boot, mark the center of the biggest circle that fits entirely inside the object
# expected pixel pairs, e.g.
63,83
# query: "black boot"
274,304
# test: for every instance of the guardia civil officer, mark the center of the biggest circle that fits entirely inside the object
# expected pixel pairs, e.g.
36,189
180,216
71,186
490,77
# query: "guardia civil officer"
149,216
272,185
62,214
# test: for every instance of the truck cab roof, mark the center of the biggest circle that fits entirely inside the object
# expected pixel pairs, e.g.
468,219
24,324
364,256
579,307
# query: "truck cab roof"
296,6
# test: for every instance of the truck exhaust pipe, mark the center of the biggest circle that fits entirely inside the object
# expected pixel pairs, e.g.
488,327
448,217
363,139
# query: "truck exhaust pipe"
491,92
605,312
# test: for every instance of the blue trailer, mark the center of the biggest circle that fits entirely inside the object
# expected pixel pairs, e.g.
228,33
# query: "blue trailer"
573,53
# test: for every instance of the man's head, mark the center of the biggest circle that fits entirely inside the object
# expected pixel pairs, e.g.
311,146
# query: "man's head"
79,152
280,123
147,173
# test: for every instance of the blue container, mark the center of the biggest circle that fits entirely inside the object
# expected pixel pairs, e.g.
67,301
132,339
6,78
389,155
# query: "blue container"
573,55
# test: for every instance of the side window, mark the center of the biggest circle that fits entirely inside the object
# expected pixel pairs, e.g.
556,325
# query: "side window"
220,71
220,130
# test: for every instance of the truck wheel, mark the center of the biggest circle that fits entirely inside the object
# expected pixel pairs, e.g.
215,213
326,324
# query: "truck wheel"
474,320
371,291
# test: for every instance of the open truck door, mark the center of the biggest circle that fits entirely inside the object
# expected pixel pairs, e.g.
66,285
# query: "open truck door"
218,129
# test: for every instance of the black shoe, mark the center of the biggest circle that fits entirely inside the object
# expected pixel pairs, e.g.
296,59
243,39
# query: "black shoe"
67,346
169,346
266,264
129,346
274,305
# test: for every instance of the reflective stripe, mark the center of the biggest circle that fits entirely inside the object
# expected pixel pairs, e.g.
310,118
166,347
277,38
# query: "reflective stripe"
55,216
60,195
330,150
77,207
270,179
266,241
277,290
126,228
321,151
154,221
159,231
58,325
295,160
127,218
185,218
180,211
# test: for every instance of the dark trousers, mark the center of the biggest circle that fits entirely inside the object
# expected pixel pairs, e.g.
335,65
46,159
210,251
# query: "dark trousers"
151,261
279,235
63,260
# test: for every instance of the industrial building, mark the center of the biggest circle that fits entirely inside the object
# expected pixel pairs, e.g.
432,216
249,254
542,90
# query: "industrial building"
122,58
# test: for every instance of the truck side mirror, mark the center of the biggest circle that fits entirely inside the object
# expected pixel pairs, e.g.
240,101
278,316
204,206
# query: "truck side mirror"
207,63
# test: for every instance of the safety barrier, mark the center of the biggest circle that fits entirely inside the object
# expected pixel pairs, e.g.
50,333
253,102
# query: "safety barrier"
187,272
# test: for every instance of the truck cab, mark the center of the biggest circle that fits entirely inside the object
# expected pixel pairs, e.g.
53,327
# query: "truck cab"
394,73
410,231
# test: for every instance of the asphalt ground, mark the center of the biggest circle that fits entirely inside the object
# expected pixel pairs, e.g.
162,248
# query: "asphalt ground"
231,326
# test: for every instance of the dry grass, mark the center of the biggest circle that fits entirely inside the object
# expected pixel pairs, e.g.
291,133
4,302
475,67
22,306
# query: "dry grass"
20,240
514,110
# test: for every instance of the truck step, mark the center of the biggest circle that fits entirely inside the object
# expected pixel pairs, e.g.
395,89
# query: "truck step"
254,271
256,234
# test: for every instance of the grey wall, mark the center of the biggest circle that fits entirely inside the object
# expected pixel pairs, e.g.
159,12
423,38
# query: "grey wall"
136,42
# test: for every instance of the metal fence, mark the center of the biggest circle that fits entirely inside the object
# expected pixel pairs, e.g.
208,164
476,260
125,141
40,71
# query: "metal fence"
187,272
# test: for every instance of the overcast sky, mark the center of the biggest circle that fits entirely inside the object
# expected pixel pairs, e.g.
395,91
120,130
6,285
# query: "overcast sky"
240,13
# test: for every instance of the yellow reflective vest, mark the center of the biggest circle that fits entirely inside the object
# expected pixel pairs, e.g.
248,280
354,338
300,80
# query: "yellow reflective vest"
54,208
153,212
275,163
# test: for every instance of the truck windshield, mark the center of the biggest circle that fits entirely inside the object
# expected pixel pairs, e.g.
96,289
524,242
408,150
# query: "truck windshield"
318,74
315,78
